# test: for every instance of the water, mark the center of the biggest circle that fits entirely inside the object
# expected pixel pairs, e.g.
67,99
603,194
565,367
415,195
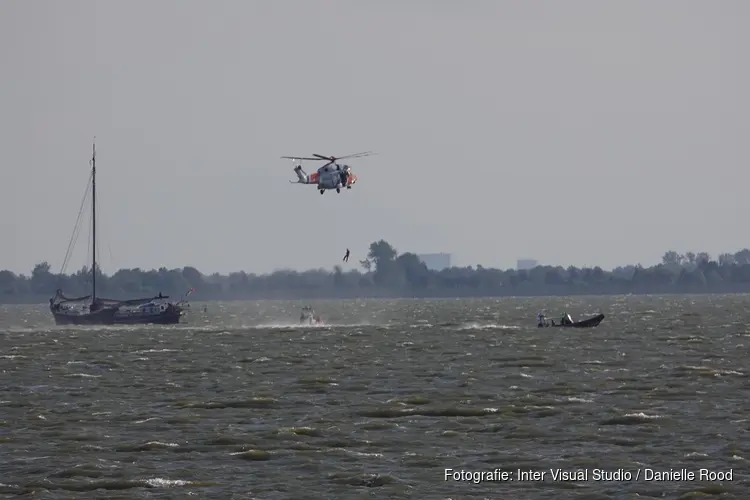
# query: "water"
242,403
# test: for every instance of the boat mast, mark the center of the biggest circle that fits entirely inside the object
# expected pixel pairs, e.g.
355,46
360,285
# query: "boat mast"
93,222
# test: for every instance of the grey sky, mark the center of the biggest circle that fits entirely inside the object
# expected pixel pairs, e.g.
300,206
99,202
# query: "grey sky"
577,132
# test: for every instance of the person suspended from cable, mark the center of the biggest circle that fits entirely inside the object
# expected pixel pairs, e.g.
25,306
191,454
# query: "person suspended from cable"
346,256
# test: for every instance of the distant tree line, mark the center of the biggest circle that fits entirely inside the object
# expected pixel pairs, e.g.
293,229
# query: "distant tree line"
387,274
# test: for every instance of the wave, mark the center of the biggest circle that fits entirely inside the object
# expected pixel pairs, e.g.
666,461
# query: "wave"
296,326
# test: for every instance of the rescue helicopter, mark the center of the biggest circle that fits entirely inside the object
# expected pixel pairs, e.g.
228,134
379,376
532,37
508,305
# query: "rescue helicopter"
331,175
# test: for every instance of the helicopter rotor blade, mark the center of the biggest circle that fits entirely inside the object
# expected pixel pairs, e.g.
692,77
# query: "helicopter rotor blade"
299,158
357,155
328,159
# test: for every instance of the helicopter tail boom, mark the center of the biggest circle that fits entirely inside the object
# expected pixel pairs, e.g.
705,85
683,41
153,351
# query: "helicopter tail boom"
301,175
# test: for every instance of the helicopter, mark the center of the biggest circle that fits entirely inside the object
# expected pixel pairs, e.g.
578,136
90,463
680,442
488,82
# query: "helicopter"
329,176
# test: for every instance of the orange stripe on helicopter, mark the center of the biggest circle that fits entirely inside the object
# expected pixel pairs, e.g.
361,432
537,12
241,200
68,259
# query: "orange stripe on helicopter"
314,177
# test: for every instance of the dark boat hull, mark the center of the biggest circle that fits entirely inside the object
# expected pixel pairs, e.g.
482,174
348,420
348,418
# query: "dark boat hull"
109,317
100,317
586,323
168,317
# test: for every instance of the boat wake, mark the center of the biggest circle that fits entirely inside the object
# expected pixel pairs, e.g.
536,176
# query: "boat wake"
486,326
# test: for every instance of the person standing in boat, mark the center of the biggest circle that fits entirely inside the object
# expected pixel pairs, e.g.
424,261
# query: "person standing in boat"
540,318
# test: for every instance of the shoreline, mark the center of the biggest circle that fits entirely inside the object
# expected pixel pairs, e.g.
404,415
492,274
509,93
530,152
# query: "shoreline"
739,290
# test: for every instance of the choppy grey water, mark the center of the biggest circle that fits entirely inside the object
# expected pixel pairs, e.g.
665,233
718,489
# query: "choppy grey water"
239,402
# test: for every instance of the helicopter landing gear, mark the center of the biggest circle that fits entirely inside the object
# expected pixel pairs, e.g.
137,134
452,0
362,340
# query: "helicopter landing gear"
348,187
322,191
338,190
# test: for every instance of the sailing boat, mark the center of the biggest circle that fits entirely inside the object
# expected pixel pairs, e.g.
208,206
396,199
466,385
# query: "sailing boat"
93,310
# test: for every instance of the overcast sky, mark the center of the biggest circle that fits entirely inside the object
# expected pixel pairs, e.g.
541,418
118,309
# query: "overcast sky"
576,132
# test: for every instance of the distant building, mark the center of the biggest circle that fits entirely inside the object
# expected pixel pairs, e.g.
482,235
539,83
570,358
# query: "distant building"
525,264
435,261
